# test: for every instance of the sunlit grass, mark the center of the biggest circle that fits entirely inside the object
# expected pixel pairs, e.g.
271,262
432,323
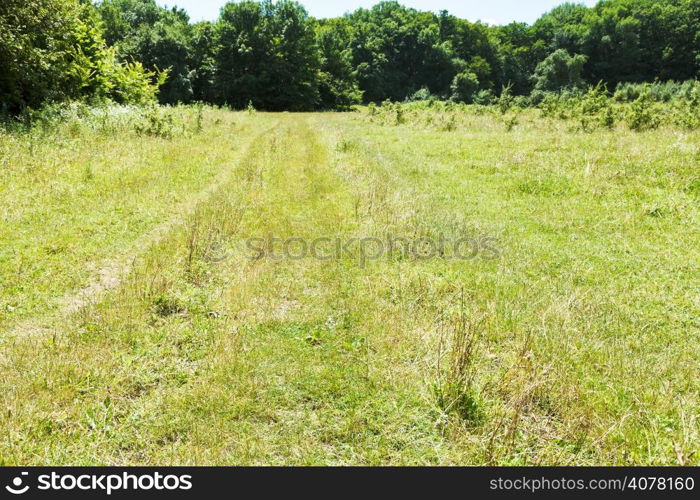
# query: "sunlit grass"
574,346
73,199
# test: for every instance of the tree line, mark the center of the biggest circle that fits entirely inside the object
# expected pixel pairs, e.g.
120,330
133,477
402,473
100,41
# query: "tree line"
274,55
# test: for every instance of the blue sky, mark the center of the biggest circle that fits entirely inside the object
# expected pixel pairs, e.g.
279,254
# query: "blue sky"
490,11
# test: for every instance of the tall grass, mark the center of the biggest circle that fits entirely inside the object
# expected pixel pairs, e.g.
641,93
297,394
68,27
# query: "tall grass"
572,346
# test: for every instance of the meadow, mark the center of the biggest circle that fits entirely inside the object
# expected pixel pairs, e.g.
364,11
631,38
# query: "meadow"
136,327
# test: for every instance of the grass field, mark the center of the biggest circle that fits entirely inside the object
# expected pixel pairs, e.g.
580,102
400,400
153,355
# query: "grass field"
139,327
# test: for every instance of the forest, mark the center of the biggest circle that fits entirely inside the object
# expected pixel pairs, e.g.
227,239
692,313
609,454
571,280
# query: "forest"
274,56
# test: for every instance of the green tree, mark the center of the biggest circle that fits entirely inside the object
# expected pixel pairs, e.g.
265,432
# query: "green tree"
267,54
271,52
477,44
157,37
613,46
338,85
520,51
564,27
203,43
464,86
559,71
54,50
398,51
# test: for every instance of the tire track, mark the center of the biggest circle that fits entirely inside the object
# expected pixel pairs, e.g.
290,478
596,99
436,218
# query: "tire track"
111,273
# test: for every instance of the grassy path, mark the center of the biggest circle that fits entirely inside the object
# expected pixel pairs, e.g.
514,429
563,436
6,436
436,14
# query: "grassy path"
206,354
243,361
109,274
76,206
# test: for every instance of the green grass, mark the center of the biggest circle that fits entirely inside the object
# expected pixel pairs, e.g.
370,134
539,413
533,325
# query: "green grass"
575,346
73,201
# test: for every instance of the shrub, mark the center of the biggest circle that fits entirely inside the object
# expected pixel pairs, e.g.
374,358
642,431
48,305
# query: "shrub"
643,115
505,100
420,95
156,122
484,97
559,71
464,86
510,121
53,50
130,83
594,108
659,91
400,118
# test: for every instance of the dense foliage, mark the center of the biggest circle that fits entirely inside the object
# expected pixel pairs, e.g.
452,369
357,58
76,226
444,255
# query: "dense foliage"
274,56
267,54
636,107
54,50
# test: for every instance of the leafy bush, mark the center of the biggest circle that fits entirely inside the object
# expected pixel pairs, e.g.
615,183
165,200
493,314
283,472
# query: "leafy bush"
130,83
642,114
594,109
156,122
464,86
420,95
559,71
484,97
36,42
505,100
53,50
659,91
584,110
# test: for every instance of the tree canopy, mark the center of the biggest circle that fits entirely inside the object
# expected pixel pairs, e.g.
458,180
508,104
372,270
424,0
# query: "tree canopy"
54,50
276,56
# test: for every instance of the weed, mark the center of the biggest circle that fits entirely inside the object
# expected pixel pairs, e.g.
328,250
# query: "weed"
199,121
165,306
455,387
346,146
450,124
399,116
156,122
510,121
